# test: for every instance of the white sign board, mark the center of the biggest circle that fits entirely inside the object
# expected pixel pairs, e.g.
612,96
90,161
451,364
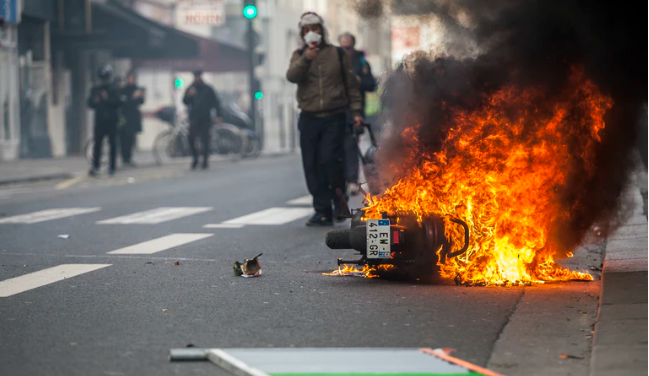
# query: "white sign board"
201,12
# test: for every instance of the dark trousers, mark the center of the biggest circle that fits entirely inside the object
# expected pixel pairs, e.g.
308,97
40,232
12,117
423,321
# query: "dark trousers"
321,140
201,131
351,156
101,131
126,143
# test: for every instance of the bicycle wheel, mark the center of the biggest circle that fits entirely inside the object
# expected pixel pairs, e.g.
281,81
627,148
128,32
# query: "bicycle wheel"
169,145
254,149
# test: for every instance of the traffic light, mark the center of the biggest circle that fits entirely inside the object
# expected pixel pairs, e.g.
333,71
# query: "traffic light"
250,9
256,89
179,83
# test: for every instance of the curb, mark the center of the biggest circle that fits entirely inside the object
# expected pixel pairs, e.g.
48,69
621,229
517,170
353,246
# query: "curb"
71,175
37,178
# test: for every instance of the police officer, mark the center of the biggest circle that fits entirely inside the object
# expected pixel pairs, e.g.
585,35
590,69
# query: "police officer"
201,101
132,98
104,99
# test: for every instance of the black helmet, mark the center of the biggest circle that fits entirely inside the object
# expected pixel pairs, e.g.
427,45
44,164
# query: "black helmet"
105,72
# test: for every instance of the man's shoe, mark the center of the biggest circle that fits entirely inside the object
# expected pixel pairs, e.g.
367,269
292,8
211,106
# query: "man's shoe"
319,220
111,172
205,166
93,172
194,165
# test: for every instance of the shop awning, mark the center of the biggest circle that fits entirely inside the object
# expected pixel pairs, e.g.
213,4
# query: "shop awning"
128,34
212,56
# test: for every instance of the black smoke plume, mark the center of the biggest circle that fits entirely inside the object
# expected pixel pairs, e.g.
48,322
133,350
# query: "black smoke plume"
525,44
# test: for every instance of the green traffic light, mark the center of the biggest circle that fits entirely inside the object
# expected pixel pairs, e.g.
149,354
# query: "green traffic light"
179,83
259,95
250,11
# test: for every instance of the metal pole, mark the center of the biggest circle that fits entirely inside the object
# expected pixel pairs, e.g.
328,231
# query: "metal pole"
250,36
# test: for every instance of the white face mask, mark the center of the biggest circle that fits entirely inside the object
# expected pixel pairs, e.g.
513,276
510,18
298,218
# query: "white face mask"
312,39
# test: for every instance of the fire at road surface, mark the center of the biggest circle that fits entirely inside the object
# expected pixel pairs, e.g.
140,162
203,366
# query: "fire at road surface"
516,124
504,168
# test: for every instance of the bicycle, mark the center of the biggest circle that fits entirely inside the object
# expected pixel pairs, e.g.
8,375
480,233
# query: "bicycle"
227,139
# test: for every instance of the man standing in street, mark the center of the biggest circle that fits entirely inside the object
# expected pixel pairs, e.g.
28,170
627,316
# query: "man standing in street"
326,88
368,84
104,99
202,102
132,98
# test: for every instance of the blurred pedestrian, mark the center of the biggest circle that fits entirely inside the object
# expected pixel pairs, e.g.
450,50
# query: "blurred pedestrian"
132,98
326,88
104,99
367,85
204,110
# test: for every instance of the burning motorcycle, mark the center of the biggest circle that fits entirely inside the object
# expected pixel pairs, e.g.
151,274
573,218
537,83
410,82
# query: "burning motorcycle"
397,244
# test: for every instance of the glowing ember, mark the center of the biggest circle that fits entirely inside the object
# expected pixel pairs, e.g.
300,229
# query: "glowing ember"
503,168
357,271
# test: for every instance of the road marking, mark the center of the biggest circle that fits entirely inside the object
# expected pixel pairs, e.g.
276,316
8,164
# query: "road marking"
272,216
44,277
70,182
158,215
306,200
159,244
223,225
47,215
111,257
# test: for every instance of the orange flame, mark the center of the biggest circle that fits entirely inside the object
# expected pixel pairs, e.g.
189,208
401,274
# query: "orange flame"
356,270
501,168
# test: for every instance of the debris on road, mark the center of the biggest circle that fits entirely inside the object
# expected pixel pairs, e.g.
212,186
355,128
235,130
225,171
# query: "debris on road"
64,236
249,268
176,262
567,356
164,310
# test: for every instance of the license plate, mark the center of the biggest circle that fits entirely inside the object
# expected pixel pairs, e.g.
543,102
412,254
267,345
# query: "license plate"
378,238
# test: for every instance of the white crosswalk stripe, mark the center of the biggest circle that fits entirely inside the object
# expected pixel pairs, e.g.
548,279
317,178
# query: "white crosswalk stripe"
223,225
306,200
47,215
160,244
44,277
155,216
271,216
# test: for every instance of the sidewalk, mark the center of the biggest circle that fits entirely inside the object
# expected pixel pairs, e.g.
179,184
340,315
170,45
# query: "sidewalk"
31,170
620,342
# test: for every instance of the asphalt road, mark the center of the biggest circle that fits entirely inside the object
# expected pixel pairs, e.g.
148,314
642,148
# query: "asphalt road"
123,319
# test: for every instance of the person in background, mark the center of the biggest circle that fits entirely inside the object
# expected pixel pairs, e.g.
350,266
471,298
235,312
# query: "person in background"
367,84
202,103
132,98
327,88
104,99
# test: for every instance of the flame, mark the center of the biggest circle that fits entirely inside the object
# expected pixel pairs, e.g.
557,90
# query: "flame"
502,168
357,271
